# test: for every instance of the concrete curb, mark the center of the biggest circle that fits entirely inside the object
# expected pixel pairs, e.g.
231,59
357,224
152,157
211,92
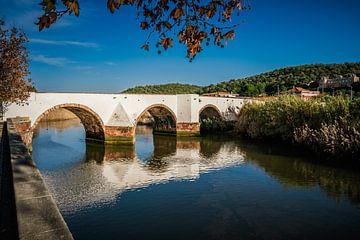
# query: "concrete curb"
38,217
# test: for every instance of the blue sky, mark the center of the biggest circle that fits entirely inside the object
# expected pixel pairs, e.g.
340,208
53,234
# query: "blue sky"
101,52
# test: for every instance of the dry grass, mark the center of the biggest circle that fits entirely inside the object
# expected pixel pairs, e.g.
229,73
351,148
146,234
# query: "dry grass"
328,125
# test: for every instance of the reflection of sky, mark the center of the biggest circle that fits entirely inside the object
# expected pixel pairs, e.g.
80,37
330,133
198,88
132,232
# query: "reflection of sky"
57,153
191,196
144,146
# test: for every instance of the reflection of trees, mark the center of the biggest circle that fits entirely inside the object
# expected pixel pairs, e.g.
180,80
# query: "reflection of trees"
210,146
336,181
164,146
94,152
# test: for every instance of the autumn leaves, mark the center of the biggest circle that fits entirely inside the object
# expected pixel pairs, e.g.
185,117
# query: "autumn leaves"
51,14
193,22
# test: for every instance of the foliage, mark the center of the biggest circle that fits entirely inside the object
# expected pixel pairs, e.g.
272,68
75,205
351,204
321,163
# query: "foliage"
192,21
171,88
14,66
215,124
282,79
327,125
338,138
266,83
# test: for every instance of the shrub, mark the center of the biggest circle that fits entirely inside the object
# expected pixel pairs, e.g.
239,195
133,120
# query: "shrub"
214,124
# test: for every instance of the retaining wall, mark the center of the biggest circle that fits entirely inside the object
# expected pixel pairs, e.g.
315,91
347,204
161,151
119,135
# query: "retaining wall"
36,212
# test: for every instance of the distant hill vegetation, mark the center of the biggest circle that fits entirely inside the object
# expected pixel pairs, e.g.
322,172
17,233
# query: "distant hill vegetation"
263,84
171,88
284,78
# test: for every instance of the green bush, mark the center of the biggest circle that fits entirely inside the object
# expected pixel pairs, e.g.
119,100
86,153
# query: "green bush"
215,124
354,109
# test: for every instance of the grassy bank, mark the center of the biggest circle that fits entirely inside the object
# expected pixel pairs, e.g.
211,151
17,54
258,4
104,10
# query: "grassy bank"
329,126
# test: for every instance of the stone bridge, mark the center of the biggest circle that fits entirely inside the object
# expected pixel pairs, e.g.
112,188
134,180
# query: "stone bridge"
112,118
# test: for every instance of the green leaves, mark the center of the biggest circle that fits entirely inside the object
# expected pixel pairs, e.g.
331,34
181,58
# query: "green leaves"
282,79
172,88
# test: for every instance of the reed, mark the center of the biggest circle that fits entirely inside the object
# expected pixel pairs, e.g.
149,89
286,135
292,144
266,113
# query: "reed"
327,125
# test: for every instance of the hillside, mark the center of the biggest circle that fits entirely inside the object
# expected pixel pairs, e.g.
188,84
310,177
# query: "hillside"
262,84
171,88
266,83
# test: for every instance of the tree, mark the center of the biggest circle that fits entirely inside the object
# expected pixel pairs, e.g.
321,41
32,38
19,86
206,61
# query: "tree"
14,67
192,21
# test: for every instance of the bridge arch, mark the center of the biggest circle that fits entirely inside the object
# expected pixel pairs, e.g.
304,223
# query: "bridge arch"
209,111
209,116
163,118
93,124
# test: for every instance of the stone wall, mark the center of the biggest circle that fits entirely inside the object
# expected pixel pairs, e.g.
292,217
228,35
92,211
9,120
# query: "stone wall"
188,129
119,135
23,128
8,221
37,214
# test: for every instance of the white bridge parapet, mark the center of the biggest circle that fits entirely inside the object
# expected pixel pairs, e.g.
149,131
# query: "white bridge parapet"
113,117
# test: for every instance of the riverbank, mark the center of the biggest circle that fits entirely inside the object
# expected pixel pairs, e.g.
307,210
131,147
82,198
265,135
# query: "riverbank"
328,126
27,209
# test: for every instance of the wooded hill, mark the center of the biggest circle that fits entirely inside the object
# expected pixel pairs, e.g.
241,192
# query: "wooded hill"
262,84
267,83
171,88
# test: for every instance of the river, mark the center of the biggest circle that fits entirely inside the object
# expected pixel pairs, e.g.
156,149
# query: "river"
201,188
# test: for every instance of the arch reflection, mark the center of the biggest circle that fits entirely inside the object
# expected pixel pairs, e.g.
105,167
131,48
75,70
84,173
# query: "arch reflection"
101,173
106,170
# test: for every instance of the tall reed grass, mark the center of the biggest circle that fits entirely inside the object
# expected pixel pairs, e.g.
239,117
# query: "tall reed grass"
327,125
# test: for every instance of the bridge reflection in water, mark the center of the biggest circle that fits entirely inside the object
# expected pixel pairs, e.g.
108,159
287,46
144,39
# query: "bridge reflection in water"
86,177
104,171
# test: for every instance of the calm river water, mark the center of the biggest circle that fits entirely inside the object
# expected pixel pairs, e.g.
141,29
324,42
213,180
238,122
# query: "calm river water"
203,188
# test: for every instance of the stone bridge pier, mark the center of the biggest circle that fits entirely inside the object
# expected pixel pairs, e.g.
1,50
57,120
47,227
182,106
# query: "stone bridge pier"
112,118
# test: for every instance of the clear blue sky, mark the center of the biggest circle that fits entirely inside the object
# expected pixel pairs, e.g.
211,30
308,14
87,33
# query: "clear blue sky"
101,52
